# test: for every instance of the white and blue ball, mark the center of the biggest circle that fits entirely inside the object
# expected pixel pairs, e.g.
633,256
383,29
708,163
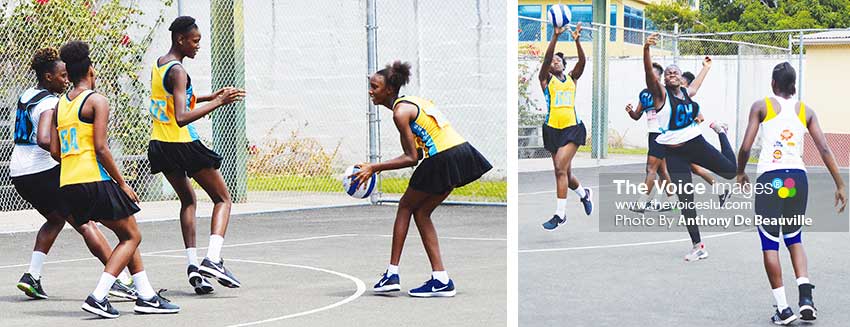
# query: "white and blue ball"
560,15
353,188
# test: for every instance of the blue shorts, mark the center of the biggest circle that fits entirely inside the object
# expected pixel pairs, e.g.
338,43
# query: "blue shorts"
789,197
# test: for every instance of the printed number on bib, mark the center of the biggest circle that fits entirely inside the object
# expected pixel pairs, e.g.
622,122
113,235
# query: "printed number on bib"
69,140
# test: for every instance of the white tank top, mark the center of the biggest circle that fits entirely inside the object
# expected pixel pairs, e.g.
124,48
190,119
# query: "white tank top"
782,136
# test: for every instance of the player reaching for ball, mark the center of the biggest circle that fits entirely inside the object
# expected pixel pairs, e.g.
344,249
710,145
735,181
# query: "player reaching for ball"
783,122
449,162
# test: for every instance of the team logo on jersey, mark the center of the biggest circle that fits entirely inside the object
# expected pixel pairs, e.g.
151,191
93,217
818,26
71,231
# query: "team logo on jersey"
792,143
777,144
786,135
777,154
785,188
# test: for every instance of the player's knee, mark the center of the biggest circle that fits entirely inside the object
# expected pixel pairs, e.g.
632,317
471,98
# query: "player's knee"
793,238
769,242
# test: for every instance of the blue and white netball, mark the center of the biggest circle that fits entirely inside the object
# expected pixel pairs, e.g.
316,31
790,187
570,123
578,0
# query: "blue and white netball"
353,188
560,15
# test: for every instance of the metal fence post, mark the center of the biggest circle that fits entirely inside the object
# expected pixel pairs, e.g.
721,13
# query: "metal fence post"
228,69
676,44
374,117
800,70
738,99
599,116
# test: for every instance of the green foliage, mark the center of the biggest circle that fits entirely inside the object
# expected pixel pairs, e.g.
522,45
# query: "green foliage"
665,15
528,113
116,56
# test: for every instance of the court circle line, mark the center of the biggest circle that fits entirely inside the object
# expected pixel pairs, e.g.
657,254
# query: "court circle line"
361,288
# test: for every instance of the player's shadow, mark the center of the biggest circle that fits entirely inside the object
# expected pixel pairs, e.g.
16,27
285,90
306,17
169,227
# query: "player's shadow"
59,313
190,295
20,298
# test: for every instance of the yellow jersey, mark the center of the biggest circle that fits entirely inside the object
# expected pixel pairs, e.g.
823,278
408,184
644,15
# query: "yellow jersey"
560,98
433,131
76,138
162,113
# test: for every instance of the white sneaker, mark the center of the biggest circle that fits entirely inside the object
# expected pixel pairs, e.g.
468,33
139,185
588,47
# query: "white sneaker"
697,253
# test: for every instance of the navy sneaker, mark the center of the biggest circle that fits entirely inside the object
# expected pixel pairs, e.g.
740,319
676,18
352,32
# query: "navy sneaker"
387,284
198,282
101,308
725,196
31,286
808,312
156,304
434,288
126,291
217,271
553,223
783,318
587,201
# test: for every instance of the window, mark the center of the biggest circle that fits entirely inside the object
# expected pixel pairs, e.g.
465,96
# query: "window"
613,23
580,13
633,18
529,30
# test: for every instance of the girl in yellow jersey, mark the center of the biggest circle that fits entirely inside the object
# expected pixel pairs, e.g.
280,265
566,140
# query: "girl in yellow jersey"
91,187
176,152
563,130
449,162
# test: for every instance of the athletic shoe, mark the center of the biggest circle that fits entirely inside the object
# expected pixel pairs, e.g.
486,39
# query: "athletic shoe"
638,208
725,196
127,291
808,312
587,202
719,127
697,253
156,304
211,269
387,284
31,286
783,318
198,282
101,308
553,223
434,288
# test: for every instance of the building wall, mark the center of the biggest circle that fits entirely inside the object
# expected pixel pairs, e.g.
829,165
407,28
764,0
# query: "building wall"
822,87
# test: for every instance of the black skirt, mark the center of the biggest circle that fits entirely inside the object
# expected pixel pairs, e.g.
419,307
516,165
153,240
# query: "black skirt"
655,149
184,158
449,169
41,189
554,138
97,201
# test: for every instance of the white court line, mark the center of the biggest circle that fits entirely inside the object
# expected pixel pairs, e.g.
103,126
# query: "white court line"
552,191
443,237
626,244
361,288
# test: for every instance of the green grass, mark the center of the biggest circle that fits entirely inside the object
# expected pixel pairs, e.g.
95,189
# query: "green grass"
480,190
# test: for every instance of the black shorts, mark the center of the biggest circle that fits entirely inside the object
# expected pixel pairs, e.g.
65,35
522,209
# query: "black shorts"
554,138
656,150
449,169
184,158
41,189
788,199
97,201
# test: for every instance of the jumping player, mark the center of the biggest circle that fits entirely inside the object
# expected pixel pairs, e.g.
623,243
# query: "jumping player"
92,188
563,130
176,151
449,162
783,122
35,174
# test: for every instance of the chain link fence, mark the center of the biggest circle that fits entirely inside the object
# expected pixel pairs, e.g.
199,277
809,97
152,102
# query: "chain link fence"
304,68
742,64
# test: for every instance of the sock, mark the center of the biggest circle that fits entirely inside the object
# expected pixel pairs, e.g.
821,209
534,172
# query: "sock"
803,280
561,209
442,276
779,296
214,251
143,286
392,270
580,191
103,286
124,277
36,262
192,256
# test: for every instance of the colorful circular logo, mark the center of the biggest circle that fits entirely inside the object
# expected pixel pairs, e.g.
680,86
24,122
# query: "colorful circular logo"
777,154
785,188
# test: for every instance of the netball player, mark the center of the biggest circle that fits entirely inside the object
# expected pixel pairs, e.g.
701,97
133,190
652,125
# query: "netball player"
92,188
35,174
783,122
449,162
563,130
682,137
176,151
